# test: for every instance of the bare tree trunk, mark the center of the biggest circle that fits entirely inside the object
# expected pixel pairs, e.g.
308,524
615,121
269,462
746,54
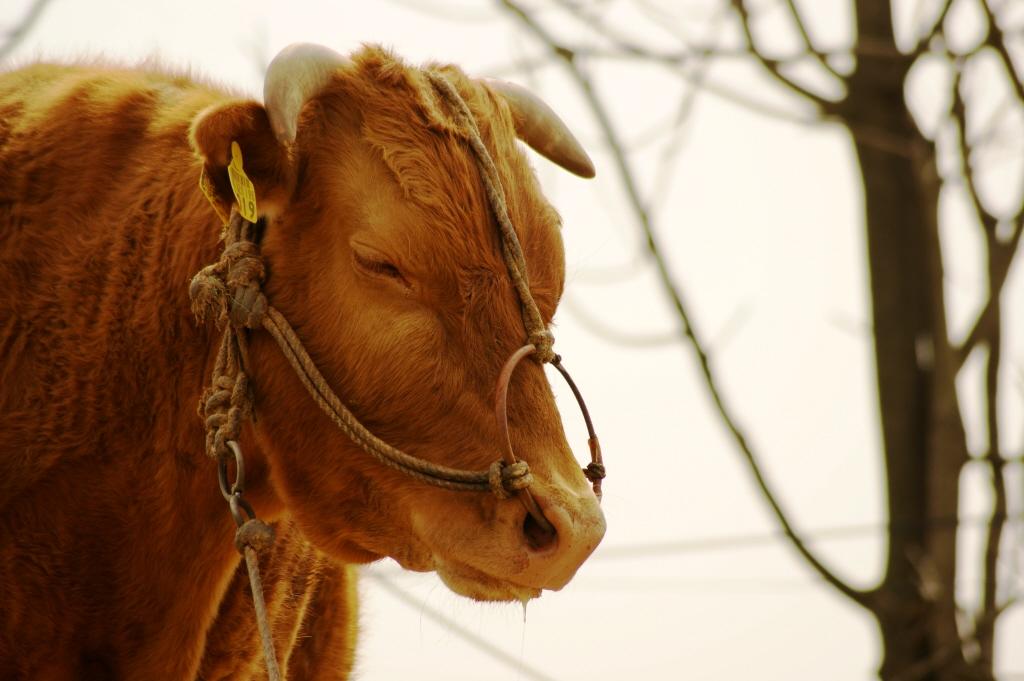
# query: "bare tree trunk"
922,432
924,635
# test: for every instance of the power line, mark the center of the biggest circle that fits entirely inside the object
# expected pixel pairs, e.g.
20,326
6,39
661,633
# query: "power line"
838,532
481,644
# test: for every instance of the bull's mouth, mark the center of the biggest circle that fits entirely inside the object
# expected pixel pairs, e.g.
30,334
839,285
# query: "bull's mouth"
500,559
473,583
464,579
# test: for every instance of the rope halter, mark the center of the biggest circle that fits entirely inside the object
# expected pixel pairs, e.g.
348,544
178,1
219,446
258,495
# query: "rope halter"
230,292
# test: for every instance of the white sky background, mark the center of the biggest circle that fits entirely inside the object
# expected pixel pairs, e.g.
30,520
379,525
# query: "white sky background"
762,223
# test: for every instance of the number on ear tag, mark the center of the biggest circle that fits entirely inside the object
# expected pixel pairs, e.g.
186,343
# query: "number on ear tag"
241,185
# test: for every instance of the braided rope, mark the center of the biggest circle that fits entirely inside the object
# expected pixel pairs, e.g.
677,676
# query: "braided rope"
510,479
228,399
537,334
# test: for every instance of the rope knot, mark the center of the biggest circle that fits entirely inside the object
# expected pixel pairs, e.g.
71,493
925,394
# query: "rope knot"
244,276
248,305
208,293
254,534
542,340
594,471
224,405
229,289
506,479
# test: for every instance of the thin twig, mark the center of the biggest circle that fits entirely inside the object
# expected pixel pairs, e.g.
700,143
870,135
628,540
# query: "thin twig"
985,626
676,64
801,28
997,40
673,291
958,111
772,65
934,29
1001,256
670,152
998,275
16,35
597,26
609,333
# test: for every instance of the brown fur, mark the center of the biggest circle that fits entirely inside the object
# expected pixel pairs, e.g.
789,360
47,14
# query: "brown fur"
116,554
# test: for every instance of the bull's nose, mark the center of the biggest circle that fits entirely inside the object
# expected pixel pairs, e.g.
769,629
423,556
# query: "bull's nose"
554,557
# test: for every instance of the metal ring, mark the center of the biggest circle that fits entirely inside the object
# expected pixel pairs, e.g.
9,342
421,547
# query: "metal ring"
238,486
501,414
237,504
593,443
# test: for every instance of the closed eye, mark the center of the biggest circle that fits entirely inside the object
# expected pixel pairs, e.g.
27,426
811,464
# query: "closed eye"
378,267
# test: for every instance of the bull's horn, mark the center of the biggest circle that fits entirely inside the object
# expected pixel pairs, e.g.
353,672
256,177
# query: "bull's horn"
541,128
296,74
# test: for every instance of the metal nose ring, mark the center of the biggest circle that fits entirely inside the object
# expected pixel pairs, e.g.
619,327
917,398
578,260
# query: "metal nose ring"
594,471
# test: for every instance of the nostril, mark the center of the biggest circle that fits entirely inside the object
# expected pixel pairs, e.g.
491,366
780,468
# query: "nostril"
538,537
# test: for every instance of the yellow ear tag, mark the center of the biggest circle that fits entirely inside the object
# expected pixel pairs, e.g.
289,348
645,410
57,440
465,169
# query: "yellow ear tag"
211,195
245,193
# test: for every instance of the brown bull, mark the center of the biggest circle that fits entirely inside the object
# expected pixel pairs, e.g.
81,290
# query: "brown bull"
116,548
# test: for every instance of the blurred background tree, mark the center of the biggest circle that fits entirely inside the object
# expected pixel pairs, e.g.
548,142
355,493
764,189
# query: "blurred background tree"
915,150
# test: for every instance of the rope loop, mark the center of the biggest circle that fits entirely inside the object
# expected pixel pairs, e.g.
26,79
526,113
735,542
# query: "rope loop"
505,479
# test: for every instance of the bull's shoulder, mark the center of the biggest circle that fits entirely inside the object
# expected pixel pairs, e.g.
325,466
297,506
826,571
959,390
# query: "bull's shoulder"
98,196
70,108
73,134
40,87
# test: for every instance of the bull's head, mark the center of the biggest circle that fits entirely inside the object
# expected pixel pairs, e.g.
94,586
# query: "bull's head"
383,254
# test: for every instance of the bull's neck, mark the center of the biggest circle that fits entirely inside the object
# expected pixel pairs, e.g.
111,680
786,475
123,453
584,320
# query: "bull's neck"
167,355
190,234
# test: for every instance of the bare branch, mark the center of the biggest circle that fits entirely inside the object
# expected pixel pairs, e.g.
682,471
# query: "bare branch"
997,278
722,92
997,40
670,152
801,27
772,65
1001,255
958,111
935,29
987,329
675,59
673,291
15,36
613,335
602,29
985,624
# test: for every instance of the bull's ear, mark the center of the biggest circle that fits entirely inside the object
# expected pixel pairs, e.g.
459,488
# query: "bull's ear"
264,160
